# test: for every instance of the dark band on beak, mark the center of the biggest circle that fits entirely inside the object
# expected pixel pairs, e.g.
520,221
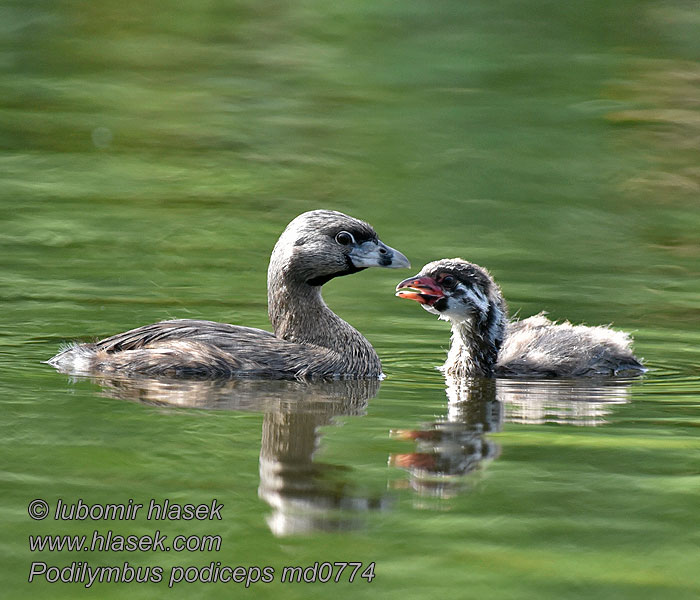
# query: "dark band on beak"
377,254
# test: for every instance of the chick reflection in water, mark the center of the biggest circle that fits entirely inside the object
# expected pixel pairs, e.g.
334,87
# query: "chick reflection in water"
452,450
305,495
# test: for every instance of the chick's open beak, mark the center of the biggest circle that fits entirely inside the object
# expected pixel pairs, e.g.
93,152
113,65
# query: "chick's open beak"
421,289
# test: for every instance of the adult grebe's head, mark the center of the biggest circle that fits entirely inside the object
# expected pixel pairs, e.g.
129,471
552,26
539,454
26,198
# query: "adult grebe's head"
322,244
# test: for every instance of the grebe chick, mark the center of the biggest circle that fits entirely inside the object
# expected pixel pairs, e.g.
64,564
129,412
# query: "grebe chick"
485,342
309,340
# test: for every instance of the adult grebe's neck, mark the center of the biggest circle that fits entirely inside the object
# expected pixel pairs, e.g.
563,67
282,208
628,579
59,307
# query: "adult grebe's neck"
299,314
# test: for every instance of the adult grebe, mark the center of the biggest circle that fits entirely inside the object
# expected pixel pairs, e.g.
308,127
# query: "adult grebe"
309,340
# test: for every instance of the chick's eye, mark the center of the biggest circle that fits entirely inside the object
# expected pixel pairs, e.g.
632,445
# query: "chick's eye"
344,238
448,281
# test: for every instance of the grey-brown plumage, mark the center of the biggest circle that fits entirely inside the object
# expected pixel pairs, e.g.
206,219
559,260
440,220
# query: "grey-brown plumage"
309,340
485,342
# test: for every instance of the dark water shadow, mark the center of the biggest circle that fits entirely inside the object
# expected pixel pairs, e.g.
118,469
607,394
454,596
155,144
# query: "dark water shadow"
305,495
450,450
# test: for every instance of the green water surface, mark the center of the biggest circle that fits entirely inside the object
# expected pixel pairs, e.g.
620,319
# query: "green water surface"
152,152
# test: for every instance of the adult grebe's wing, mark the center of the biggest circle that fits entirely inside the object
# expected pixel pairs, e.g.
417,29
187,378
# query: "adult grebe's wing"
180,329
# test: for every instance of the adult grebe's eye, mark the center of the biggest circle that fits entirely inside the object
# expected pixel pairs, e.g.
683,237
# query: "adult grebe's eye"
448,281
344,238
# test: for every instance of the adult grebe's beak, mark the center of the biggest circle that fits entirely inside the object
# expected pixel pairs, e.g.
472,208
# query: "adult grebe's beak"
377,254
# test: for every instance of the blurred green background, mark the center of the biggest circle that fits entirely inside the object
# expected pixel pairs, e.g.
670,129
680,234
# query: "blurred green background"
150,155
